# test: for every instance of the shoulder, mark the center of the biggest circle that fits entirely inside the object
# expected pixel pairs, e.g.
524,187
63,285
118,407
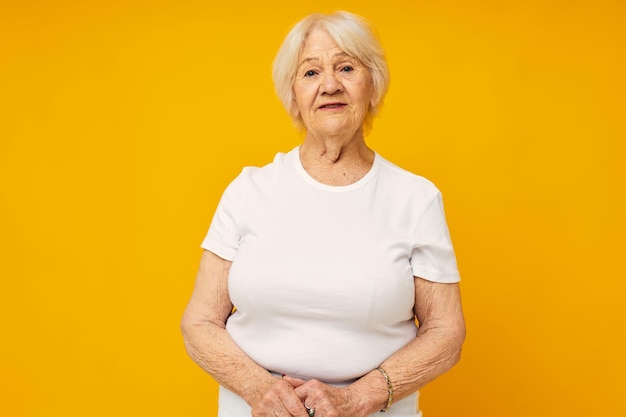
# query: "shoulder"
258,176
406,182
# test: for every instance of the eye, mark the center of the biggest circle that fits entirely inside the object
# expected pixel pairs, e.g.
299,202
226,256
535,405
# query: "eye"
347,68
309,73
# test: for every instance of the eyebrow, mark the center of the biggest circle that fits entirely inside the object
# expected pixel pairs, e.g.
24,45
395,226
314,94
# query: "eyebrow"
311,59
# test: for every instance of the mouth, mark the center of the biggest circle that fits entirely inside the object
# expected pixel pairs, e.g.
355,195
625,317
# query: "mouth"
331,106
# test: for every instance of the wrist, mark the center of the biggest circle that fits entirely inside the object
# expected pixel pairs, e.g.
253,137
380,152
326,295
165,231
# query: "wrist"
256,388
389,389
369,394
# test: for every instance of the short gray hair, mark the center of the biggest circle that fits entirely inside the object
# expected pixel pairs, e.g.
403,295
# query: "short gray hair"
353,34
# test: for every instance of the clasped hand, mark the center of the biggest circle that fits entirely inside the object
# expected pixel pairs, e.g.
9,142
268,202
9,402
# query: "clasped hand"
290,397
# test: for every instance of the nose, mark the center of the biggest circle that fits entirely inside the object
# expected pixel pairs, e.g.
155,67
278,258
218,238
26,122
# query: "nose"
330,84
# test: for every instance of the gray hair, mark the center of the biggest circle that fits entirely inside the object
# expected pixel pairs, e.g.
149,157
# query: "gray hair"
353,34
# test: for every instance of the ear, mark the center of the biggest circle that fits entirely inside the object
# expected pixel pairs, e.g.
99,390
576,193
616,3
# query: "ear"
294,110
374,100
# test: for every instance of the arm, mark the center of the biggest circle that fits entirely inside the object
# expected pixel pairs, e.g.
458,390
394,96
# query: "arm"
437,347
435,350
210,346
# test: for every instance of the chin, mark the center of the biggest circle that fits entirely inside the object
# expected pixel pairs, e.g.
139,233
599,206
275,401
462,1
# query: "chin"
337,128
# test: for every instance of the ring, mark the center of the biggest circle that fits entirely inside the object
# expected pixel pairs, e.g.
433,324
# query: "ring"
311,411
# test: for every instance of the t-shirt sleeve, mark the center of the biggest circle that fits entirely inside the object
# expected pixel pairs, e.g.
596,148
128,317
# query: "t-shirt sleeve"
223,236
432,256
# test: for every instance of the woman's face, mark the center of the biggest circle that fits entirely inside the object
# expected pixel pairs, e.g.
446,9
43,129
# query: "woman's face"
332,90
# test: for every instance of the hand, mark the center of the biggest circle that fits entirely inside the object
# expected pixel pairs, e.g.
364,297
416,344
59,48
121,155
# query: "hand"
326,400
279,400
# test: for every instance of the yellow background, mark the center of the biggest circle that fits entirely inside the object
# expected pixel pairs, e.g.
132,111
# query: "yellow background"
122,121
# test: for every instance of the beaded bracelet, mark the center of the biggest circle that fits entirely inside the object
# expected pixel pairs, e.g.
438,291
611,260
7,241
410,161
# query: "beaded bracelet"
389,390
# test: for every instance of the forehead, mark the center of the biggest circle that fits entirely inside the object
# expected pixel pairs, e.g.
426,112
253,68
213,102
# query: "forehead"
318,43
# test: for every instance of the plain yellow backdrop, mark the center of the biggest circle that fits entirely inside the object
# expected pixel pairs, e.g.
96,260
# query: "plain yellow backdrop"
121,122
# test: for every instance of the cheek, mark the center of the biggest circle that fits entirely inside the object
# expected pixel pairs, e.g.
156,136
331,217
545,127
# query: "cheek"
303,99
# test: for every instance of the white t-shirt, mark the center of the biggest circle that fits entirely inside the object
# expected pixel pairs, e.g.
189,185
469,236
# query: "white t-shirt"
322,276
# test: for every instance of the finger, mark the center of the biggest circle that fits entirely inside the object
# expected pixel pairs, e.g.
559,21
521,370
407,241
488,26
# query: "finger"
279,401
295,382
293,404
300,386
320,396
312,394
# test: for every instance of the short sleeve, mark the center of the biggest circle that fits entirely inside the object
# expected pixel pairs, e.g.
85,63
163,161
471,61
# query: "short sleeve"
432,256
223,236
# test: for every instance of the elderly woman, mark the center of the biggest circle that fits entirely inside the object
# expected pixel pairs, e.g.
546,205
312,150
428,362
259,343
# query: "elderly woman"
328,286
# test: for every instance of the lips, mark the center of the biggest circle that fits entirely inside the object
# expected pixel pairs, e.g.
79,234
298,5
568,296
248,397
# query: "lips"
332,106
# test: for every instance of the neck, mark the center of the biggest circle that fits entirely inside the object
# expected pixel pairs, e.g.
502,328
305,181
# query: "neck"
336,160
334,149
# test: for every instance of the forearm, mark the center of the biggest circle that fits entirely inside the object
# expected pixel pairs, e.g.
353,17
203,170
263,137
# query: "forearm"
207,342
440,336
435,350
431,354
419,362
210,346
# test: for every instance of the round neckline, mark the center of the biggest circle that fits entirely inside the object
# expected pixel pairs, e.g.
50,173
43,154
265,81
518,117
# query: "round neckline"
336,188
